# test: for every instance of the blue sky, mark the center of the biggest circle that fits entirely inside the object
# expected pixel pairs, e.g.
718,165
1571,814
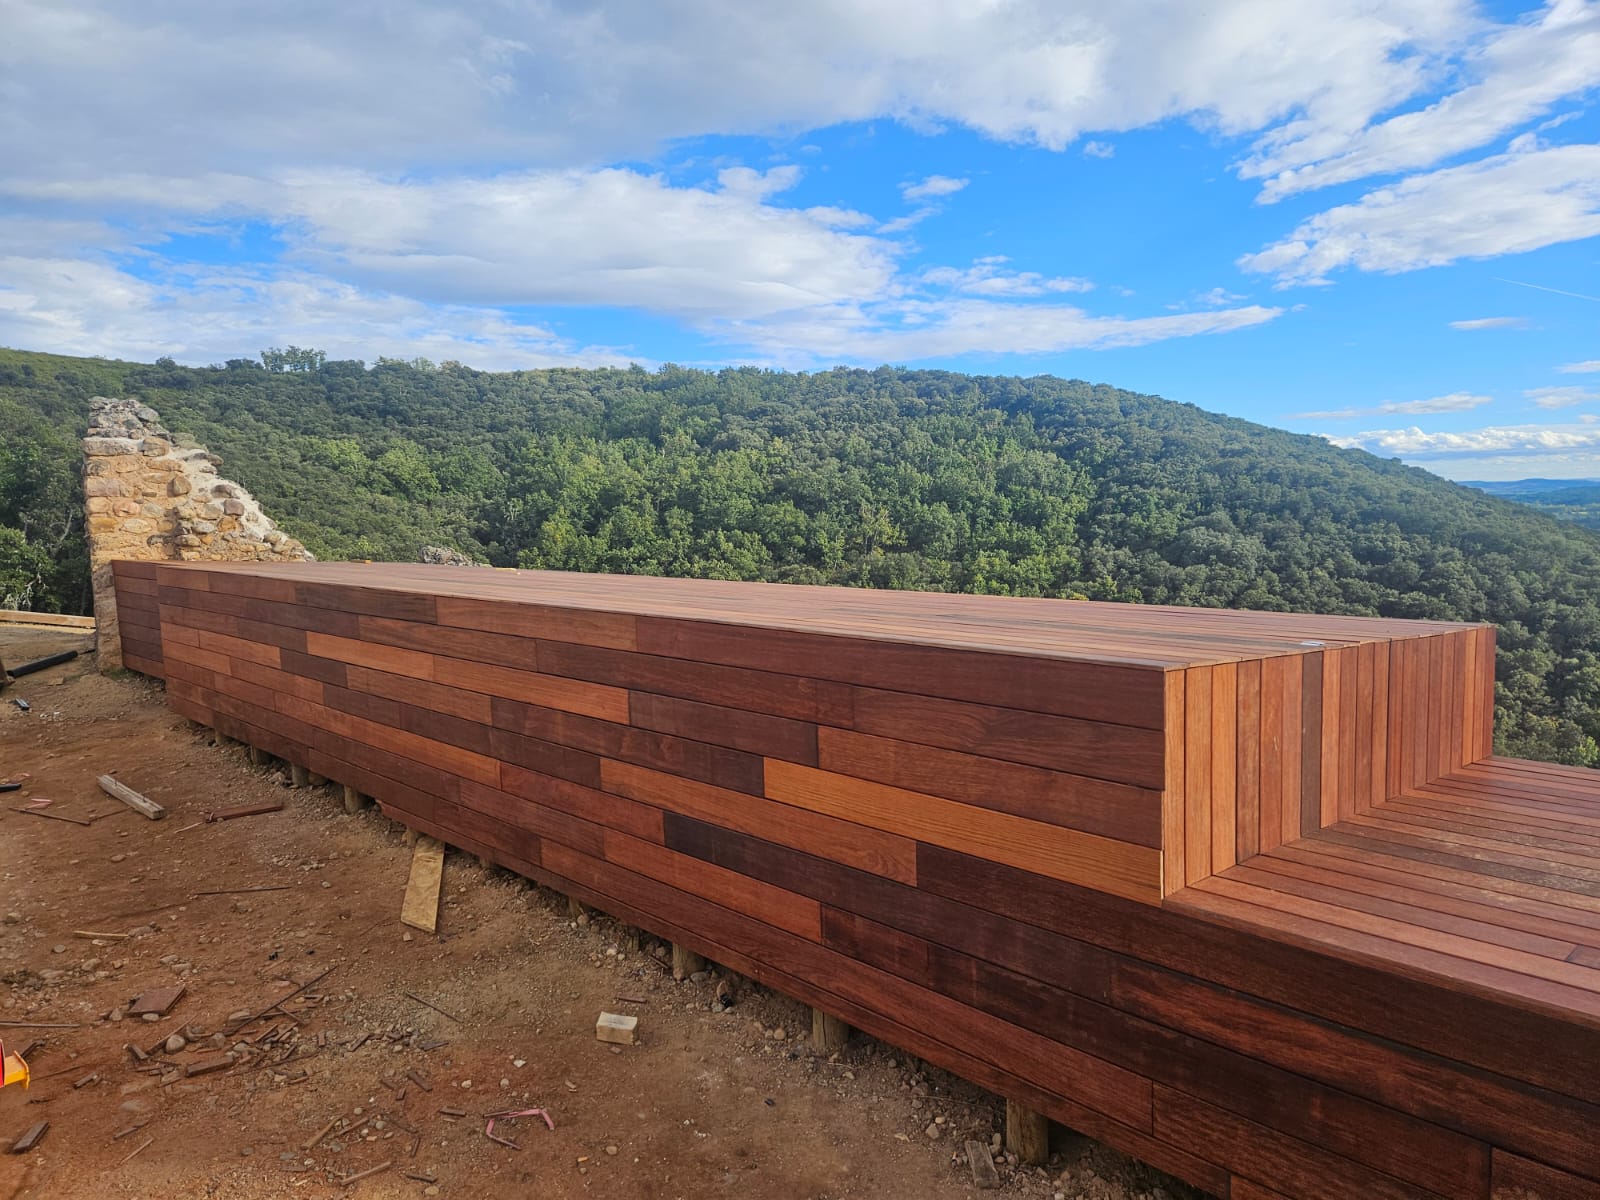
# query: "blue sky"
1379,222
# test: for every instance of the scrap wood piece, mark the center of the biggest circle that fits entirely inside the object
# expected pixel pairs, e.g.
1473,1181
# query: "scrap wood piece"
40,1025
131,798
157,1000
144,1145
317,978
616,1028
54,816
207,1065
31,1138
381,1167
419,1081
510,1114
421,907
432,1005
311,1141
242,810
110,937
265,887
981,1160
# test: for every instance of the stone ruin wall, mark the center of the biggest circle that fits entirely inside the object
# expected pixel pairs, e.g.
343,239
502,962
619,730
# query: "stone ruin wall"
149,498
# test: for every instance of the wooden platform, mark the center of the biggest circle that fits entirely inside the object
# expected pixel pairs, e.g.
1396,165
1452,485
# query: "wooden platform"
1242,894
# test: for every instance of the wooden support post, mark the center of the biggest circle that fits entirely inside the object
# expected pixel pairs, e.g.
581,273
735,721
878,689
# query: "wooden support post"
1027,1134
575,908
685,962
828,1032
258,756
316,780
299,776
354,801
628,940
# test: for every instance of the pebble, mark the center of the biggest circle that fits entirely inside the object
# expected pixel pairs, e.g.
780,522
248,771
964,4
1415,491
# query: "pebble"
58,948
152,1017
504,1082
519,1062
175,1043
611,1149
466,1083
932,1130
431,1190
246,1151
13,918
779,1034
118,857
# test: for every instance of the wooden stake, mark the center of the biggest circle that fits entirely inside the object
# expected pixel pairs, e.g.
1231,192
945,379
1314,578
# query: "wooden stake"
685,962
354,801
131,798
258,757
299,776
1027,1134
828,1032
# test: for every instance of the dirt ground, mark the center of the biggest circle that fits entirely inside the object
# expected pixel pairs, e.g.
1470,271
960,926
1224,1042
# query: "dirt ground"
709,1103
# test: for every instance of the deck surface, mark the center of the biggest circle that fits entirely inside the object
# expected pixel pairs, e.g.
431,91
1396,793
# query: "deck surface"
1134,634
1489,877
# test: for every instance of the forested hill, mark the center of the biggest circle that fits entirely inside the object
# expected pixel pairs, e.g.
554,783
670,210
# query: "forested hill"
886,478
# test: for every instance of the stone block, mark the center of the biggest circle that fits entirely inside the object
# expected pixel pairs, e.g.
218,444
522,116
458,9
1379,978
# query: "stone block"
234,508
212,511
104,486
125,508
137,525
109,446
97,504
203,527
178,485
155,447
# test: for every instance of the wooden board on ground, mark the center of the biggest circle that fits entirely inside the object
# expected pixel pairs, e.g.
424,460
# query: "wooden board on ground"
421,907
131,798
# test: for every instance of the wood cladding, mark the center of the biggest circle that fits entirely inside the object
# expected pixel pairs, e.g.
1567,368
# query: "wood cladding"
1242,894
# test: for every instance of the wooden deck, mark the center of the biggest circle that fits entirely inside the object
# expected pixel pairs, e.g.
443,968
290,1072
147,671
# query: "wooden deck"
1242,894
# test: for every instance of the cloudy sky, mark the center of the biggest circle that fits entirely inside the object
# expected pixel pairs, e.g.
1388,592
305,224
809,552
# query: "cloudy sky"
1377,220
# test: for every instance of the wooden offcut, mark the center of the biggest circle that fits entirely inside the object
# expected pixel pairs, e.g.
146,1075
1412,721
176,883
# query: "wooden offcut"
616,1028
131,798
1247,896
420,909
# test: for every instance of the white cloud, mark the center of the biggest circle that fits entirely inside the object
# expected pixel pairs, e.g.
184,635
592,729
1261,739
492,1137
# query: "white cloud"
1502,205
1454,402
989,277
909,330
1093,149
932,187
1503,440
1477,323
910,220
78,307
1581,368
1560,397
1520,70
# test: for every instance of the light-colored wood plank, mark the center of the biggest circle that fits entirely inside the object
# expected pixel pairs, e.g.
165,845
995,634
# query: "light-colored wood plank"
1120,868
420,909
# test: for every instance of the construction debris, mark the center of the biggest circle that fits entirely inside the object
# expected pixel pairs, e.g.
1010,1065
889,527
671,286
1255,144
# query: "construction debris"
981,1160
320,1134
31,1138
107,937
511,1114
142,1146
131,798
430,1004
377,1170
616,1028
39,664
157,1000
421,907
54,816
242,810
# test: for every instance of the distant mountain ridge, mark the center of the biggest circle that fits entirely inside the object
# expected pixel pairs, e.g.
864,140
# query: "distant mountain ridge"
1526,487
1575,500
880,478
